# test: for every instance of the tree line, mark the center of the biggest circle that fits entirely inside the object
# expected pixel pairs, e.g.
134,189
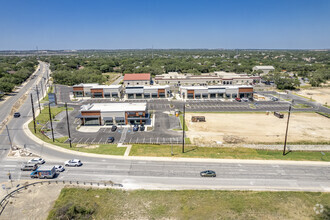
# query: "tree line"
14,71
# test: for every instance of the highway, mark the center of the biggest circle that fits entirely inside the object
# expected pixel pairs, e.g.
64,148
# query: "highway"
162,173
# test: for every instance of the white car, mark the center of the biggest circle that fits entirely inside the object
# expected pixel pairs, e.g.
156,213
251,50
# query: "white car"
37,160
73,163
59,168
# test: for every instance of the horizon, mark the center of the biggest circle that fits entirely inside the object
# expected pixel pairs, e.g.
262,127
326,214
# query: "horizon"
147,24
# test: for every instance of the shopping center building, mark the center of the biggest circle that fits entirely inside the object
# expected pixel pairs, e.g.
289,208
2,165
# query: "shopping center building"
215,92
97,91
147,92
114,114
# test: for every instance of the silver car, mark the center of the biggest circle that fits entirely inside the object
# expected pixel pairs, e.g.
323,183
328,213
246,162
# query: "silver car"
73,163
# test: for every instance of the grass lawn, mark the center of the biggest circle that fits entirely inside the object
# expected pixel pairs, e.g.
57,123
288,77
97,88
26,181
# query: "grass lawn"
224,153
185,124
301,106
79,203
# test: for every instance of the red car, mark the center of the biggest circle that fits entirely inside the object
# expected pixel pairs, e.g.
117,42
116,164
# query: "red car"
238,99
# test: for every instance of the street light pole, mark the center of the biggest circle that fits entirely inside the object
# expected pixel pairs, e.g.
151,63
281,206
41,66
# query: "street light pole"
38,98
34,118
183,125
11,143
286,133
51,121
67,120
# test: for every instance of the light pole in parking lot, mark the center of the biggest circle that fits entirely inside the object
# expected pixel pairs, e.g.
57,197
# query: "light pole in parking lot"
67,120
183,125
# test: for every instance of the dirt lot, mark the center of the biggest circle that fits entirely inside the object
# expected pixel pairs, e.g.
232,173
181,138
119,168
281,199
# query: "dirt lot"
32,203
257,128
321,95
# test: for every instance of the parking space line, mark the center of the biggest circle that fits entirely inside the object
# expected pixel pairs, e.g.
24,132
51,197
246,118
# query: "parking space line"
86,140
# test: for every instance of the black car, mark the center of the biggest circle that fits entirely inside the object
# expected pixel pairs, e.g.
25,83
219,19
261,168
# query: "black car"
111,139
142,128
135,128
17,115
113,128
208,173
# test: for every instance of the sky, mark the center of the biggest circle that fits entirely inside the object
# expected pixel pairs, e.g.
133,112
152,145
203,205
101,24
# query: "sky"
164,24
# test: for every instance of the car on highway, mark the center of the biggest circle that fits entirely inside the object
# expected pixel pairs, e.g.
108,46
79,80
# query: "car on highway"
113,128
142,128
59,168
73,163
208,173
37,160
17,115
238,99
136,128
29,167
111,139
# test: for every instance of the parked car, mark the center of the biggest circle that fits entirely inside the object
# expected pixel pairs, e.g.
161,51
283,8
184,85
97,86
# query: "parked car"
245,99
37,160
274,99
113,128
73,163
238,99
136,128
208,173
59,168
111,139
29,167
142,128
17,115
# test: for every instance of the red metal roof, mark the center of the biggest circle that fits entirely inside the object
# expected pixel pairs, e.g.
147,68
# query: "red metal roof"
137,76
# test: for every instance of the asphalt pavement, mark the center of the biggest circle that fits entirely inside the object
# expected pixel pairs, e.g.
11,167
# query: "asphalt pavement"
163,173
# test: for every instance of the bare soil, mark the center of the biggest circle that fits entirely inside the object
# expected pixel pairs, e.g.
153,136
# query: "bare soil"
35,202
257,128
321,95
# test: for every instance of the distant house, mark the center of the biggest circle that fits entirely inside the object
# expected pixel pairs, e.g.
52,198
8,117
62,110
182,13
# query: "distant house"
137,79
264,69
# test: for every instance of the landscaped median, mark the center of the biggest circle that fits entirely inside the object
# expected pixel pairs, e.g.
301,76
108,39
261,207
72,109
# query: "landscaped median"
224,153
79,203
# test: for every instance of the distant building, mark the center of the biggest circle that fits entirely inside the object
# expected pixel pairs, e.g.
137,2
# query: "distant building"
113,113
264,69
95,90
137,79
216,78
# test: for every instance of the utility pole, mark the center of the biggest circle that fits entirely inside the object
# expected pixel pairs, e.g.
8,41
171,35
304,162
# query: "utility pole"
286,133
51,121
67,120
183,125
42,90
34,118
38,98
11,144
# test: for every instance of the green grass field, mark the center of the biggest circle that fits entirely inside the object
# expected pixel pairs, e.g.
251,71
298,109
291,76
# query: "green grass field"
78,203
224,153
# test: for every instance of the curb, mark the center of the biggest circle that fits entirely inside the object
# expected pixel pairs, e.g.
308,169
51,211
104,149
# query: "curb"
174,159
